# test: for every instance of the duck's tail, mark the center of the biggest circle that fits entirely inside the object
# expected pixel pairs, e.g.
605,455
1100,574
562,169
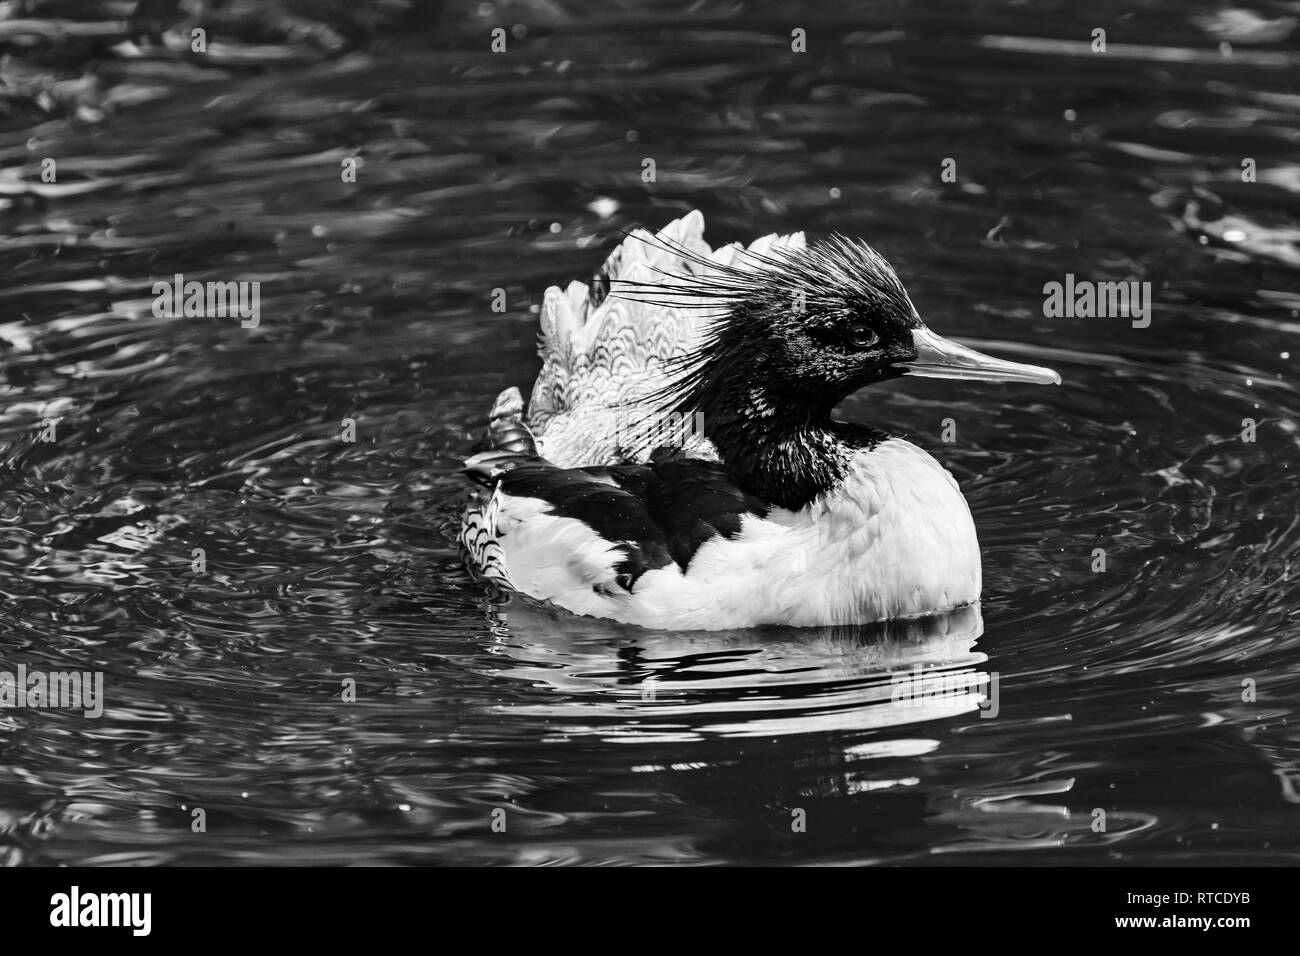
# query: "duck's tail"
603,355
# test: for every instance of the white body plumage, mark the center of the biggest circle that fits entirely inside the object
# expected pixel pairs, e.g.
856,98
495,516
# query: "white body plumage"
895,540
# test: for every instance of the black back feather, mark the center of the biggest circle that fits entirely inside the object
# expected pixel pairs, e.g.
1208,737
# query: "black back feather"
656,514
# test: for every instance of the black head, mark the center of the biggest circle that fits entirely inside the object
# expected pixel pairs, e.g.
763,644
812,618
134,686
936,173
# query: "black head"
801,329
794,332
805,328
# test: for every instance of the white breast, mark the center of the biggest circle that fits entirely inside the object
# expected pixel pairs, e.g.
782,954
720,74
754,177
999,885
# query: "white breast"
894,540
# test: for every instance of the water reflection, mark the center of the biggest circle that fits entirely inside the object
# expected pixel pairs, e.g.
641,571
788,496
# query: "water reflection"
624,683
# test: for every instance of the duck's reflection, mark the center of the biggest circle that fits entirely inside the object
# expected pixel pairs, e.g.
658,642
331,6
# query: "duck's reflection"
782,744
621,682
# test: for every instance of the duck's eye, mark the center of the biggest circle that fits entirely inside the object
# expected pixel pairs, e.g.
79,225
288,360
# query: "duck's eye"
863,336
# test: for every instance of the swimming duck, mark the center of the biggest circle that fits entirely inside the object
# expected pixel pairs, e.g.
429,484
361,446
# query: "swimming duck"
678,466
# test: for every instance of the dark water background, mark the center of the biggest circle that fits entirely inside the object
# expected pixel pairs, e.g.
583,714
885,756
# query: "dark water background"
1119,690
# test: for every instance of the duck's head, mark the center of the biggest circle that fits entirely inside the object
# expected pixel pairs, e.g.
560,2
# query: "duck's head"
798,330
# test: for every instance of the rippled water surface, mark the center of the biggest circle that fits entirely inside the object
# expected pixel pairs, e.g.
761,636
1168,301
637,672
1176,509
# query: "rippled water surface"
1129,690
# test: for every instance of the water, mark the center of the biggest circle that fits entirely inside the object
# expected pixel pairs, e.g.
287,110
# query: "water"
1161,691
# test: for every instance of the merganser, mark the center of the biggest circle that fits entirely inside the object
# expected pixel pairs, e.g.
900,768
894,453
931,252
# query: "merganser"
770,512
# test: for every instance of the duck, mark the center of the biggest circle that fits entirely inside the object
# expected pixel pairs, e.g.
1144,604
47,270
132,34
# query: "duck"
678,465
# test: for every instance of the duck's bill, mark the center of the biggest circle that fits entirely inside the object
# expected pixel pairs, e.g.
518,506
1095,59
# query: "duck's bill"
937,357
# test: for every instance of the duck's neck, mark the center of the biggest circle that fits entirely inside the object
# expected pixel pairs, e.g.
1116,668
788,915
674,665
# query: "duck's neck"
786,452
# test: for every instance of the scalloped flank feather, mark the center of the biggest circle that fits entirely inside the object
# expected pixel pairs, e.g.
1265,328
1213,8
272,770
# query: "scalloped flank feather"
605,361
